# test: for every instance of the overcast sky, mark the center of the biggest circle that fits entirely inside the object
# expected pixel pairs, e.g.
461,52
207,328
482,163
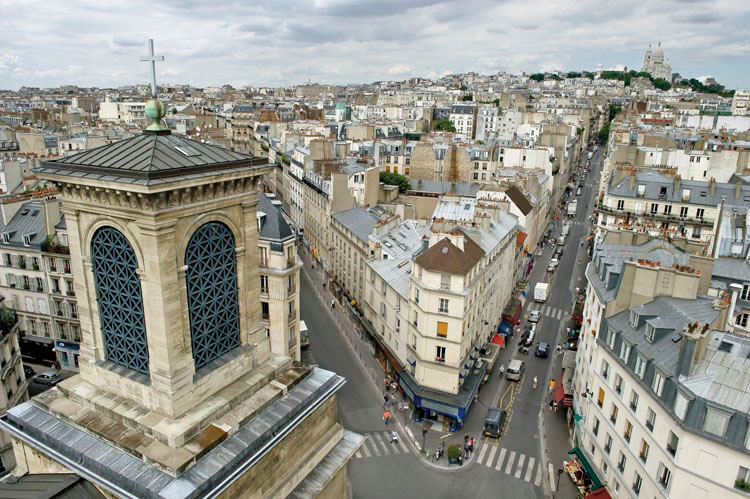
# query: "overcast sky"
285,42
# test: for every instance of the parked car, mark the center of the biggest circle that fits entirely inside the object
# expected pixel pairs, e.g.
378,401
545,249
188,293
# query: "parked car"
50,378
535,315
558,253
28,371
579,191
493,424
542,349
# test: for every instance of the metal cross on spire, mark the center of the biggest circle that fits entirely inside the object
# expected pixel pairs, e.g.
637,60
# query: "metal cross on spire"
152,59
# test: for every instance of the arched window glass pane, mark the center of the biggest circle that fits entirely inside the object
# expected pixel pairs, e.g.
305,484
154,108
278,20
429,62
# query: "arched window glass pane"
118,291
212,293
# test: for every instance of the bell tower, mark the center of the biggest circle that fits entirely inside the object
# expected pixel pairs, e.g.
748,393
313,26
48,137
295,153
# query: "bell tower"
177,374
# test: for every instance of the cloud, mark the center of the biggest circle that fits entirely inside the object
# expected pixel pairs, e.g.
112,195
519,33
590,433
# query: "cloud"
286,42
399,69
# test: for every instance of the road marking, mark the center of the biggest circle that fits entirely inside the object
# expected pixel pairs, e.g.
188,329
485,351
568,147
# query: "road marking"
559,314
551,477
381,443
402,446
538,479
491,457
500,459
365,450
547,310
519,468
393,445
373,446
510,462
529,469
482,453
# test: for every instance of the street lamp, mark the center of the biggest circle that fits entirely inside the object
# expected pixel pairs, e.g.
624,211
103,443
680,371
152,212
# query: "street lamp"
557,487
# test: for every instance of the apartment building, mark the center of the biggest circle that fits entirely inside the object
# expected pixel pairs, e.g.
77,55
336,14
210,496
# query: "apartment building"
37,281
741,103
14,383
131,113
662,206
661,415
435,307
279,270
350,239
464,117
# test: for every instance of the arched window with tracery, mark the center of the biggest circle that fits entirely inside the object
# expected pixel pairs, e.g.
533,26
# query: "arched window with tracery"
118,290
211,281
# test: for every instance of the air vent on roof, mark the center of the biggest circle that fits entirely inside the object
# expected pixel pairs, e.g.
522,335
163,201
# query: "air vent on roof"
676,338
188,150
445,250
726,346
388,244
25,212
703,194
403,263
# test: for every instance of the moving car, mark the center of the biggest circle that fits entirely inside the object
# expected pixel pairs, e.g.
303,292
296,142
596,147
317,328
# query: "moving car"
50,378
28,371
542,349
515,370
535,315
579,191
494,422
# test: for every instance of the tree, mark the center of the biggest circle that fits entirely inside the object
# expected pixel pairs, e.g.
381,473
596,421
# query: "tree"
464,88
468,97
603,134
7,319
573,74
444,125
661,84
537,77
402,182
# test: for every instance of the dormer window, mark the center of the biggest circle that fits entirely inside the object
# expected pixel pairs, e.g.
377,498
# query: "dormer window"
6,237
650,333
27,239
633,319
611,339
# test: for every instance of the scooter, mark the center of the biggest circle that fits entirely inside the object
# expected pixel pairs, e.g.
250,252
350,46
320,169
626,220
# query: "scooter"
438,452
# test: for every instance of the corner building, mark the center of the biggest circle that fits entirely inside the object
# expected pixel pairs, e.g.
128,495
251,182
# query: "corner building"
180,393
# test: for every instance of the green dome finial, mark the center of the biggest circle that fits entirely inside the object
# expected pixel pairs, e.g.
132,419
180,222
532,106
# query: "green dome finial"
156,110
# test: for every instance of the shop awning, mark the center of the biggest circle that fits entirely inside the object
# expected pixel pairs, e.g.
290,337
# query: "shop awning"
473,355
600,493
462,373
562,399
498,340
505,328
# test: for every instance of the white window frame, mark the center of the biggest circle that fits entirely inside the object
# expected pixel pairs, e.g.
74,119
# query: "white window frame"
717,413
611,339
443,305
658,385
625,352
681,405
640,366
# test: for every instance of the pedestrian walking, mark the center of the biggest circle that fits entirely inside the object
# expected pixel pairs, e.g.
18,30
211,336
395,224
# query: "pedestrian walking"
385,399
333,304
387,416
551,385
394,437
535,382
554,406
559,349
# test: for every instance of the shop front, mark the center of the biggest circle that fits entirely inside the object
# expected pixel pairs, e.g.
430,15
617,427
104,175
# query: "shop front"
440,406
584,476
67,355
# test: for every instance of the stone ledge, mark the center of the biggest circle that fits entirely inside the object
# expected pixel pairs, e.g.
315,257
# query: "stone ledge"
170,445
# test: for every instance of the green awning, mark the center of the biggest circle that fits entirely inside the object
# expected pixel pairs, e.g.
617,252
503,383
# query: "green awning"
595,482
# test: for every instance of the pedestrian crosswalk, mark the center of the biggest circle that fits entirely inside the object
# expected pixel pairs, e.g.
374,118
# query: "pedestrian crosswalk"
518,465
379,443
549,311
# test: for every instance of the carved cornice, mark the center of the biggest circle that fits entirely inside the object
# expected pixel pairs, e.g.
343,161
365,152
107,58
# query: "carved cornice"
177,198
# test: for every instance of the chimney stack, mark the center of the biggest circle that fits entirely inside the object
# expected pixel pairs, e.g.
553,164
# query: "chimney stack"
631,180
713,185
677,183
738,189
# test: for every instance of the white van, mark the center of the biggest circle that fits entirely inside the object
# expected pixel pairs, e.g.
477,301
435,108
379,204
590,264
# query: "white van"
515,370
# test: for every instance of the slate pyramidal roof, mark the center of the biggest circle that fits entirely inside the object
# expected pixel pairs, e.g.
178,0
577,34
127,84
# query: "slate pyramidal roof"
150,159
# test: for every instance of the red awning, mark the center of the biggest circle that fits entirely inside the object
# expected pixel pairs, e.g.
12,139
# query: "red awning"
560,396
600,493
498,340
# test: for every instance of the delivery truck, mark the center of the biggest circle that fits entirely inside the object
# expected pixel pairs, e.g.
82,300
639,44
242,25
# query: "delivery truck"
572,208
540,292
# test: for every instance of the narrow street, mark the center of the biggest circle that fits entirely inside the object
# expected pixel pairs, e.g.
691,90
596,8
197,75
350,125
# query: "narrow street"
534,439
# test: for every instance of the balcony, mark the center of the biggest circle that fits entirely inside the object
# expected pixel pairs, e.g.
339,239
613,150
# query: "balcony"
70,293
666,217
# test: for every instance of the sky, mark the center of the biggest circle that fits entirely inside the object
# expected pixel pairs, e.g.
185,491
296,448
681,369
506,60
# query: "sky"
287,42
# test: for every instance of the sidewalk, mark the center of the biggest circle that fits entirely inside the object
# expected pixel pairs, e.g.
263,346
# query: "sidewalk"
375,373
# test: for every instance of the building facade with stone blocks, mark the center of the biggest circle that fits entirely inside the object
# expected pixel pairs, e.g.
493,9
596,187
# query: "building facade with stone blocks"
176,367
279,278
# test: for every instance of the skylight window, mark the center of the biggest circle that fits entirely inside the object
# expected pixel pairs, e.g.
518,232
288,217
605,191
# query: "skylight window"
188,150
